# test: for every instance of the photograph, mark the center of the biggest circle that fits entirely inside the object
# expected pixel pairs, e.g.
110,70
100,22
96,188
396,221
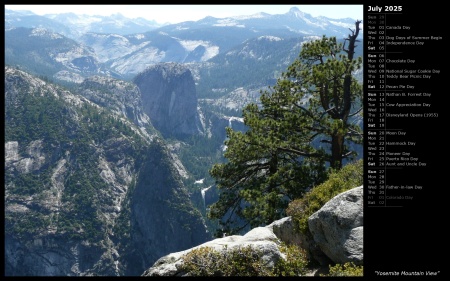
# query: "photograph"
216,140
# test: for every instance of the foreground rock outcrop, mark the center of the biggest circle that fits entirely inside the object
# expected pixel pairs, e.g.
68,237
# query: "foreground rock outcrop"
260,238
336,229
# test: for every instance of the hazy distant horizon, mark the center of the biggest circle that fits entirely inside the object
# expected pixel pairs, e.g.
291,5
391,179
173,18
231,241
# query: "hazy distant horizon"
172,14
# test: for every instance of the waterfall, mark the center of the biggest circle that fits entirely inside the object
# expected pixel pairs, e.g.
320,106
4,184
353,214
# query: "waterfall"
234,118
203,192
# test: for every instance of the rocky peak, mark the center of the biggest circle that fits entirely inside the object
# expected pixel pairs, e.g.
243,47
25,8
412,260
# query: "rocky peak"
295,12
169,98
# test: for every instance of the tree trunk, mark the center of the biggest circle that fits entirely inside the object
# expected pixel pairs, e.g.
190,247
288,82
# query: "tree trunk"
337,149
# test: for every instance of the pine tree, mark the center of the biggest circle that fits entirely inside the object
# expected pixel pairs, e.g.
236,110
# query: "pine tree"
260,177
304,122
324,76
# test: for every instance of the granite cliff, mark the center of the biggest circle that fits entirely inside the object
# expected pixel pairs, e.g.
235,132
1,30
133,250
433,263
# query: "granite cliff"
169,98
90,189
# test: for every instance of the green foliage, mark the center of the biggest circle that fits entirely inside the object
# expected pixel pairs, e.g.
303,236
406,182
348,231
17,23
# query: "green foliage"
122,227
295,263
304,122
321,95
284,151
344,270
260,178
28,184
25,224
199,153
35,117
242,261
262,174
81,192
70,132
206,261
350,176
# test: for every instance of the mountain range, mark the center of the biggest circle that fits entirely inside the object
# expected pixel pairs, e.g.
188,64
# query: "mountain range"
127,46
111,126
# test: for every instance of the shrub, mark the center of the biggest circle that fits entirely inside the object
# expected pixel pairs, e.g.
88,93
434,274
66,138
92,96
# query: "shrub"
206,261
295,262
348,177
242,261
346,269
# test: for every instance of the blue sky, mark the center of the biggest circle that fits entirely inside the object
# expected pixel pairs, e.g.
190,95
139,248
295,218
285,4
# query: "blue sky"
180,13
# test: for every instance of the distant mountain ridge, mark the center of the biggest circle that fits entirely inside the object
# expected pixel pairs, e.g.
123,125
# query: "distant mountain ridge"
73,25
121,47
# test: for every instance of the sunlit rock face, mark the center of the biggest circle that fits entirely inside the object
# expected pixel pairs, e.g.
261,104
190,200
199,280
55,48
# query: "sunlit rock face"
88,190
338,227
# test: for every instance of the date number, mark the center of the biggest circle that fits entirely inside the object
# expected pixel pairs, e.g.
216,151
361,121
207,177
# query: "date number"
393,8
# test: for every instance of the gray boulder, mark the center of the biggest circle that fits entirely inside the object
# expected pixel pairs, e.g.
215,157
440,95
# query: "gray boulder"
338,227
287,232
